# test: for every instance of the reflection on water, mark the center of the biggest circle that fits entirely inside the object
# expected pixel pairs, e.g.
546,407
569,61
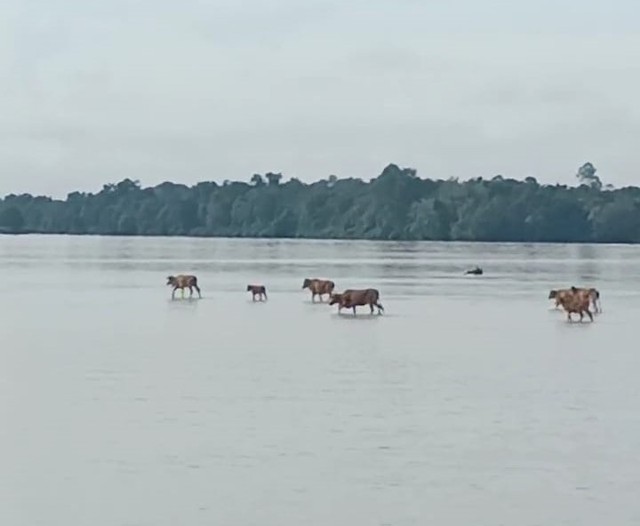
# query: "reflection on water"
470,401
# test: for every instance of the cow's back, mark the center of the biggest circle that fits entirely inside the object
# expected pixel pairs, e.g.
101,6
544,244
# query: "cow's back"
372,295
360,297
322,286
576,301
186,280
328,286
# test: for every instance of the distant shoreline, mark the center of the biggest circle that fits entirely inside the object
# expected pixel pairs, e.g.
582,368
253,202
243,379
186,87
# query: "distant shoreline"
395,206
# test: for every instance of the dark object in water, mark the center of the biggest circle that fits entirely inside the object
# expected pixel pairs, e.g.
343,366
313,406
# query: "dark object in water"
475,271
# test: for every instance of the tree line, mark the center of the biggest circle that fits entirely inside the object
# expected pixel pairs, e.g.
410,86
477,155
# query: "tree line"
396,205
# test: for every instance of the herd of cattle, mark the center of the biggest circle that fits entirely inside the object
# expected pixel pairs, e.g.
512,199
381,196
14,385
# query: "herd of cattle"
349,299
573,300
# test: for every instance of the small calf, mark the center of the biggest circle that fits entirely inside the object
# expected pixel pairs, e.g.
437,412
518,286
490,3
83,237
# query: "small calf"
258,291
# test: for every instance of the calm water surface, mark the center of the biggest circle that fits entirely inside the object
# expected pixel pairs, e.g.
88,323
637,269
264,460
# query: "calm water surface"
470,402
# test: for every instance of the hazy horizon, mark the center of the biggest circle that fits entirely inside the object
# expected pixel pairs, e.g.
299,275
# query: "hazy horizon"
97,93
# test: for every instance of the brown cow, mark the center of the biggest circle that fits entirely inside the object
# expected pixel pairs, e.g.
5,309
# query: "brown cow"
594,296
350,299
341,299
318,287
181,281
576,300
257,290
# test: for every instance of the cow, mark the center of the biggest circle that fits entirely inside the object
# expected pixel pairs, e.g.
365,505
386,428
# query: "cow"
594,296
575,300
350,299
318,287
181,281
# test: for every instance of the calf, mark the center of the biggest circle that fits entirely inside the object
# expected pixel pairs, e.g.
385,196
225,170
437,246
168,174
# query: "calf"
258,291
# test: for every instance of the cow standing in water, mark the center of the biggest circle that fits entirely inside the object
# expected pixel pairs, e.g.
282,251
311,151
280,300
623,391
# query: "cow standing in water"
576,300
350,299
318,287
181,281
594,296
258,291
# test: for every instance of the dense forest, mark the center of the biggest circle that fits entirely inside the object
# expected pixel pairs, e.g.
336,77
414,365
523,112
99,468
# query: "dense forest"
395,205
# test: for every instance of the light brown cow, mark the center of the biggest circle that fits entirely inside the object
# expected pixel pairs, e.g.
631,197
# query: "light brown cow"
351,298
576,301
594,296
318,287
258,291
181,281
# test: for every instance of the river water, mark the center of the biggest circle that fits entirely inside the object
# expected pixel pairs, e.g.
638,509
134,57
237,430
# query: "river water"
470,402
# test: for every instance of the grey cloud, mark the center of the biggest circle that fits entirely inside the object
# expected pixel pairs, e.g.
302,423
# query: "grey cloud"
95,92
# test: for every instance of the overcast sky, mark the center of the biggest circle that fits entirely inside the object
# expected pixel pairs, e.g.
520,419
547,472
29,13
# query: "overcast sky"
95,91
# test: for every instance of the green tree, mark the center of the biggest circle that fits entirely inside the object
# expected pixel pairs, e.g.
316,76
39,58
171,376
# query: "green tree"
257,180
273,178
11,219
396,204
617,221
587,176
